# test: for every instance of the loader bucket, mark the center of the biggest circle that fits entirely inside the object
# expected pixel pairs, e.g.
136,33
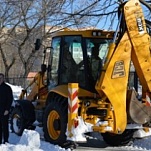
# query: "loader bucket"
137,111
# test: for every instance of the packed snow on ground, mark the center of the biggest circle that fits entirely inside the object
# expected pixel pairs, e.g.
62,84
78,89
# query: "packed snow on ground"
32,140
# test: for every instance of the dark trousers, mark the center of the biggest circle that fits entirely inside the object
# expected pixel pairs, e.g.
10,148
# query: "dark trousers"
4,129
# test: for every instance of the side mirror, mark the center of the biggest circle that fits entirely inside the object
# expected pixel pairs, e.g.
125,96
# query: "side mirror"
43,68
37,44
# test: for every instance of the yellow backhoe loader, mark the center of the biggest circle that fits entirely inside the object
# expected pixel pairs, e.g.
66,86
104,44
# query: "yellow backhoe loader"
88,80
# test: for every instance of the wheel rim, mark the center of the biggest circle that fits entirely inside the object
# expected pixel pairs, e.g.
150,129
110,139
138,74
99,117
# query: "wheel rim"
16,123
53,115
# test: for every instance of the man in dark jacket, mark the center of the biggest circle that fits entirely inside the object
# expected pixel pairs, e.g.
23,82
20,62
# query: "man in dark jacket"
6,98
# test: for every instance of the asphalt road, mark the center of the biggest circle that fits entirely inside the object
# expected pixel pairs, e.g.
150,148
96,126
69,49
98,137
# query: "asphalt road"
95,144
98,145
91,145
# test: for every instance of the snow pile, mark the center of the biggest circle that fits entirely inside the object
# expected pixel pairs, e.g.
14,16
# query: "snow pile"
142,133
16,90
29,141
10,147
78,132
30,138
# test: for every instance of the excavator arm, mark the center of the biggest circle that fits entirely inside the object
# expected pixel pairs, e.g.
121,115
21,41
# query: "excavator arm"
134,46
140,40
39,88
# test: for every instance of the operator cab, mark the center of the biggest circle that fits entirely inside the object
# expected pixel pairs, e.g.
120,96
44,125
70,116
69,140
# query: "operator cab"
78,57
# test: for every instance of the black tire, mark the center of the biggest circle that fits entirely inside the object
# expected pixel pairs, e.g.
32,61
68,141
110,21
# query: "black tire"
126,138
17,121
55,121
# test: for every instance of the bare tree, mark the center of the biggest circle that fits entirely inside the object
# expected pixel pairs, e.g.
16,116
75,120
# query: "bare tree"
7,17
21,22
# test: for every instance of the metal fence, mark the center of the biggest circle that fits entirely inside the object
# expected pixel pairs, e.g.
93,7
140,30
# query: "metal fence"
20,81
24,81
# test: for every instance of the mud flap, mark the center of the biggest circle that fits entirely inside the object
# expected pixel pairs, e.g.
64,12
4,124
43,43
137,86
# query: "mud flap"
136,110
